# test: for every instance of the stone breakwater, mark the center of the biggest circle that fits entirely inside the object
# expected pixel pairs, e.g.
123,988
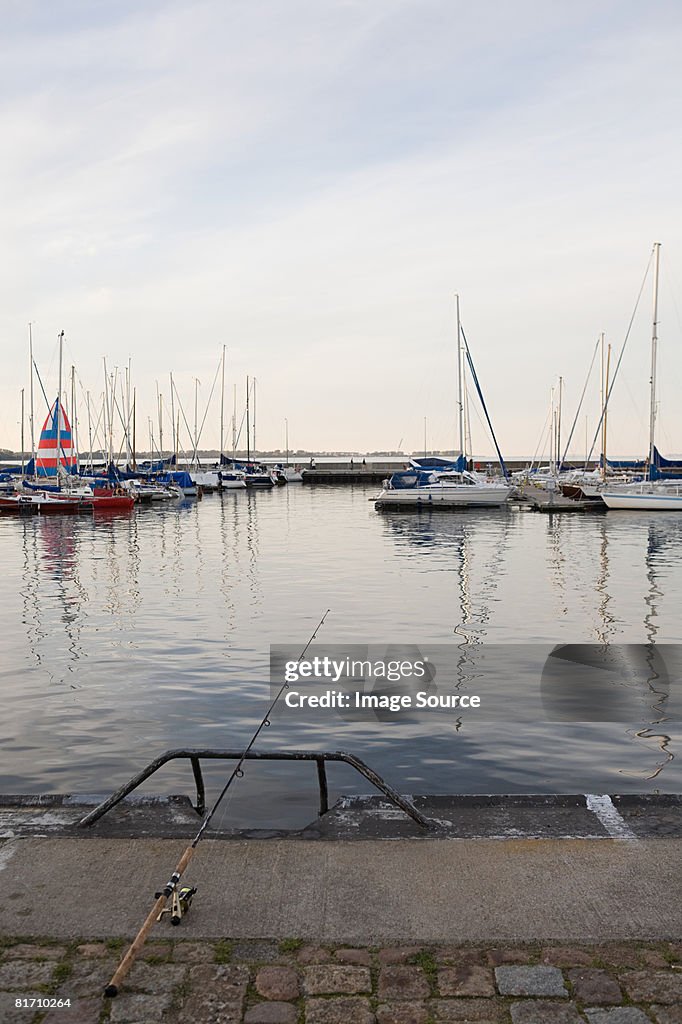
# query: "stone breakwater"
291,982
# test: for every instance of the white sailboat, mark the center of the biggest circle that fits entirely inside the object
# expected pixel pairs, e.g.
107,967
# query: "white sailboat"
649,495
441,490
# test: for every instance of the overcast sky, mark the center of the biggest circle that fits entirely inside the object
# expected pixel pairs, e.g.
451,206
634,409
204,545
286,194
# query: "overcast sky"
309,182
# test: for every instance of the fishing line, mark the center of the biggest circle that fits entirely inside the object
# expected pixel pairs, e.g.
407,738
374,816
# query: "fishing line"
171,885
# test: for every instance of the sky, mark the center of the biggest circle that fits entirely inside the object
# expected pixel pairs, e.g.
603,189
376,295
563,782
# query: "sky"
310,183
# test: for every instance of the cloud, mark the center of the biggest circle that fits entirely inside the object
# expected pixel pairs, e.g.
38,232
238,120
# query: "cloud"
310,185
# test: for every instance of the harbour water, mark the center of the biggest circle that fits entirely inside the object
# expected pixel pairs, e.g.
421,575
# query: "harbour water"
126,635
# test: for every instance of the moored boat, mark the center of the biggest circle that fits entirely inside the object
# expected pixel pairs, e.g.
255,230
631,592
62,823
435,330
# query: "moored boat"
415,488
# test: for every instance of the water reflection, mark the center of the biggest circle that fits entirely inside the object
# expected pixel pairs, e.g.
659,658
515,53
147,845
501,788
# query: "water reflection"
162,620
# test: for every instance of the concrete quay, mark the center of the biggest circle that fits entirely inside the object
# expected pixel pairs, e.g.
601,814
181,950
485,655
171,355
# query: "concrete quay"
510,910
487,869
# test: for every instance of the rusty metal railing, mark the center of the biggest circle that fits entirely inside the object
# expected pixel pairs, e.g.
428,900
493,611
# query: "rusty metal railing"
319,757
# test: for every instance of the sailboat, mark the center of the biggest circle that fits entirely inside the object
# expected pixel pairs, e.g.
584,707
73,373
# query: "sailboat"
56,461
430,484
649,495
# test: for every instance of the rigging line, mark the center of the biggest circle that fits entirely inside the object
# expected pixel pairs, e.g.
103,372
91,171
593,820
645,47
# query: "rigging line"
172,883
180,406
474,375
580,404
195,456
539,448
620,358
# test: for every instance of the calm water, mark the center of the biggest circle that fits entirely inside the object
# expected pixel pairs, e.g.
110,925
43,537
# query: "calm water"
124,636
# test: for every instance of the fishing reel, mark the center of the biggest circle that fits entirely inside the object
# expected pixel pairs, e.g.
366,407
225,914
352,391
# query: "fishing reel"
181,901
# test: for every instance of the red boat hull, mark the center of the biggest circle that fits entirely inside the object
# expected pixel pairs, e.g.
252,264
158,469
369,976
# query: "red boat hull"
113,502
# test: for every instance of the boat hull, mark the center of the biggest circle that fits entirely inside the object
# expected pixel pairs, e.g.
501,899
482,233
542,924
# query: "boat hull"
644,502
444,497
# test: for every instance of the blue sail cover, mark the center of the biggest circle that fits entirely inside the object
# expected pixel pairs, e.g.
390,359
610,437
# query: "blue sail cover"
178,477
662,469
457,465
411,478
636,465
665,469
158,465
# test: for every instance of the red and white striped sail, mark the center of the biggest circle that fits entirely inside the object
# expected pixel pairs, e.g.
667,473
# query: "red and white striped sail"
47,458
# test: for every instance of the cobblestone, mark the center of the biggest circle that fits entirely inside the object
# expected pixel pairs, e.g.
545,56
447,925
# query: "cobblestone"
567,956
654,986
314,955
25,951
95,950
402,1013
193,953
332,980
256,952
339,1011
480,1011
177,982
403,981
130,1008
84,1011
466,981
541,1011
530,981
594,986
278,983
509,955
271,1013
25,974
667,1014
397,954
361,957
617,1015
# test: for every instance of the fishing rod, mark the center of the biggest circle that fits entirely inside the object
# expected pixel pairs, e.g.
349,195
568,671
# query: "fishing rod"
182,900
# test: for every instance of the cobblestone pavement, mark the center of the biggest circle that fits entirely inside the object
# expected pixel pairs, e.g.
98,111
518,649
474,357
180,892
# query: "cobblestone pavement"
289,982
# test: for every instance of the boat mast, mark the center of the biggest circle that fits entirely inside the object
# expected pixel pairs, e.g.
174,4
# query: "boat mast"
460,401
606,379
654,346
134,417
30,359
160,425
603,412
286,437
558,427
87,403
127,409
172,399
74,418
59,402
248,428
234,422
197,382
222,406
22,432
255,449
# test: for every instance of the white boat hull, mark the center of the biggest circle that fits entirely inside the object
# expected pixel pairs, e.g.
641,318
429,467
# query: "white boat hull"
207,481
648,501
443,496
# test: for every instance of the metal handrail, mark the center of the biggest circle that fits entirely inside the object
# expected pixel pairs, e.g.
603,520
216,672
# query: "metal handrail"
320,757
